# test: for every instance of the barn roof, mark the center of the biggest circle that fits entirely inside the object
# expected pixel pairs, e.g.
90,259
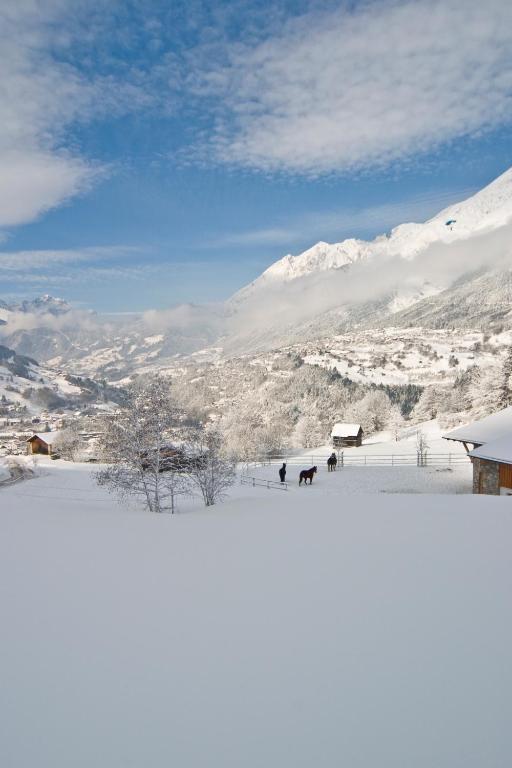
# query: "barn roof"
497,450
345,430
493,427
47,437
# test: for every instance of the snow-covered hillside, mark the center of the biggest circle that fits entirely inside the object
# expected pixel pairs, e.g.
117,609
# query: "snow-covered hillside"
27,389
407,355
279,629
318,258
489,209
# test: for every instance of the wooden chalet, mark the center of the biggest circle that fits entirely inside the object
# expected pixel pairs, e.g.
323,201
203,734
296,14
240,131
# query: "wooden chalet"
347,435
488,443
43,443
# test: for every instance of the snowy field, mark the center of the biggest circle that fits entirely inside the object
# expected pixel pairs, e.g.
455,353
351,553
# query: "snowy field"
358,480
302,628
455,478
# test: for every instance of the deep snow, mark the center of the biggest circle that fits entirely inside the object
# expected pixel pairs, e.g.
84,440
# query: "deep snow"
279,629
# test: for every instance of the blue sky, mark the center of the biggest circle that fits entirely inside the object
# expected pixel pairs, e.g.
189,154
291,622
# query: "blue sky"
156,153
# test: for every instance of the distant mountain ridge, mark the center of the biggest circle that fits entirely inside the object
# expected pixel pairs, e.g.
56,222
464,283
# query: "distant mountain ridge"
40,305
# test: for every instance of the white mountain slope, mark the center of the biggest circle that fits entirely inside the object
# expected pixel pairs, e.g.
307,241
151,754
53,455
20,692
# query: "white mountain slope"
487,210
419,274
321,257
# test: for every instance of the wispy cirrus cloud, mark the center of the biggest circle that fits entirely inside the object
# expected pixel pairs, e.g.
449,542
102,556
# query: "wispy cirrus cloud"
55,270
345,222
364,86
27,261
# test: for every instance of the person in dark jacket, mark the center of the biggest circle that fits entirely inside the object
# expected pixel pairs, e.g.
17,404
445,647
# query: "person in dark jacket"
282,473
331,462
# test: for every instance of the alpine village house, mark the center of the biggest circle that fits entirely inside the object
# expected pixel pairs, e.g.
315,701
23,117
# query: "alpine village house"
489,446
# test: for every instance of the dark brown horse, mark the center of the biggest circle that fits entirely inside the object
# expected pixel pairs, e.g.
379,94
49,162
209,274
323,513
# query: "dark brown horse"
307,474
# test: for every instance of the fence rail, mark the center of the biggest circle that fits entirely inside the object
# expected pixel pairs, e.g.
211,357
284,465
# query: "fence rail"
370,460
259,482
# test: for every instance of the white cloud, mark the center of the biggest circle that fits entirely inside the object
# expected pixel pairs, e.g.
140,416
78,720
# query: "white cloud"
195,318
349,89
38,97
34,181
42,94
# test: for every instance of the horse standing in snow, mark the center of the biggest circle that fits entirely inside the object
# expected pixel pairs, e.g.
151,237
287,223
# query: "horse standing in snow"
307,474
331,463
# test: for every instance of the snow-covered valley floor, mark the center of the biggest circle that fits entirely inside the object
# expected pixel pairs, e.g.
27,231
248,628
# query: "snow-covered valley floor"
311,627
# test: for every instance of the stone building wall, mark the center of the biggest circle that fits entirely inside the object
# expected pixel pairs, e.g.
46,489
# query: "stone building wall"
486,477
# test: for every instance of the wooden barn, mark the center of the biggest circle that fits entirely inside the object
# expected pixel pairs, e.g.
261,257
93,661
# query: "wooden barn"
489,446
43,443
347,435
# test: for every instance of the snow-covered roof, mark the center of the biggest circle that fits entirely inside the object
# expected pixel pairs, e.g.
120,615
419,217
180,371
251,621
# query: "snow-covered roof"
493,427
345,430
50,438
497,450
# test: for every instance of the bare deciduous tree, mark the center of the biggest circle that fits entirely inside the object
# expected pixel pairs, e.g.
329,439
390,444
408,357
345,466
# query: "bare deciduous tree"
422,446
210,471
137,446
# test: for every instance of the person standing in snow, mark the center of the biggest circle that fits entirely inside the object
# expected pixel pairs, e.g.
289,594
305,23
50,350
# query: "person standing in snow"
331,462
282,473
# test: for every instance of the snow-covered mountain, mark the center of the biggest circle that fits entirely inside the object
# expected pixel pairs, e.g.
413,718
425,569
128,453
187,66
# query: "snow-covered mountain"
321,257
45,304
485,211
453,272
418,274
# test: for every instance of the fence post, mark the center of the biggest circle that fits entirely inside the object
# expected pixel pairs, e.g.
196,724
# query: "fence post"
342,461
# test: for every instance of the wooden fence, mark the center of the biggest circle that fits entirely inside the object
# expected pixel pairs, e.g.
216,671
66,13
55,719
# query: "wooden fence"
370,460
261,483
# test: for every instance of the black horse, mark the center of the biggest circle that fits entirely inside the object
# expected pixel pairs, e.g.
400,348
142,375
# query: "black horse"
331,463
307,474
